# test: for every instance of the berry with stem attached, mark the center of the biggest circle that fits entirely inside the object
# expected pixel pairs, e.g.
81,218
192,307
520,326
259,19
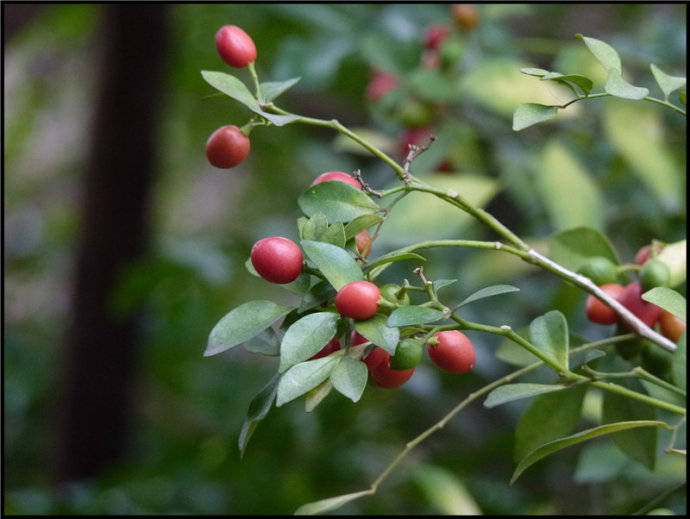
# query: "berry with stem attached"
599,312
452,352
235,46
227,147
363,242
407,355
277,259
630,297
671,326
339,176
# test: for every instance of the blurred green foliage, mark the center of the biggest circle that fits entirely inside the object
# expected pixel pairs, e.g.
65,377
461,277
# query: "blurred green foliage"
626,160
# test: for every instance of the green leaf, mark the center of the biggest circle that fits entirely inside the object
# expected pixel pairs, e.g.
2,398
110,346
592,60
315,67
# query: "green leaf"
588,434
445,491
250,268
571,248
397,256
331,503
234,88
549,333
667,83
528,114
315,227
637,445
571,196
339,201
599,462
668,299
433,86
679,367
413,314
338,267
619,87
301,222
258,409
349,378
361,223
440,283
509,392
335,235
266,342
316,395
321,292
272,89
243,323
306,337
536,72
683,98
305,376
606,54
582,82
548,417
490,291
645,149
376,330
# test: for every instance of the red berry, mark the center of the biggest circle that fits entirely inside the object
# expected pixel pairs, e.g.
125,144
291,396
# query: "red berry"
363,242
388,378
337,175
671,326
277,259
333,345
435,35
227,147
630,298
356,338
380,84
376,357
358,300
453,352
597,311
235,46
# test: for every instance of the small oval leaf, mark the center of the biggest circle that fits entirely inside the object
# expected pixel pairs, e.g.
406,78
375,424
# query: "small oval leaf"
339,201
306,337
303,377
243,323
528,114
549,333
378,333
258,409
619,87
349,378
510,392
572,247
272,89
413,314
361,223
335,263
668,299
607,55
331,503
667,83
493,290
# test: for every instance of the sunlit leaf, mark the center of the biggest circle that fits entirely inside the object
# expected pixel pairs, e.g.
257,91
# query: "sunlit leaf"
379,333
349,378
667,83
339,201
619,87
668,299
490,291
607,55
303,377
306,337
549,333
413,314
528,114
335,263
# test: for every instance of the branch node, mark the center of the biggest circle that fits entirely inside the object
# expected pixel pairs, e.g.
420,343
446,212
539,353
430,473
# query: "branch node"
506,327
414,151
365,187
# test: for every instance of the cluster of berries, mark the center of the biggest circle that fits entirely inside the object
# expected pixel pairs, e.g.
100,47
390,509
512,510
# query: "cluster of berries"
280,260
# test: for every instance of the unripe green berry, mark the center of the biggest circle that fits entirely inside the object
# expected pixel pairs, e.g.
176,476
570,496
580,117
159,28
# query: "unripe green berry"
407,355
389,293
654,273
600,270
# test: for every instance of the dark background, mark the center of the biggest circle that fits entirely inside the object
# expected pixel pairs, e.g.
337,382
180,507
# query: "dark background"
123,247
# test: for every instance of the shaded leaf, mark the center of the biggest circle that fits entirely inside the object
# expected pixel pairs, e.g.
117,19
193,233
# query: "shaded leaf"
571,248
376,330
667,83
679,366
339,201
334,234
440,283
549,333
316,395
588,434
638,445
243,323
413,314
266,342
490,291
528,114
361,223
509,392
445,491
582,82
306,337
321,292
272,89
548,417
332,503
337,266
349,378
599,462
258,409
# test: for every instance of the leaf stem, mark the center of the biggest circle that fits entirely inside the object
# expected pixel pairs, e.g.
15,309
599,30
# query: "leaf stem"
605,94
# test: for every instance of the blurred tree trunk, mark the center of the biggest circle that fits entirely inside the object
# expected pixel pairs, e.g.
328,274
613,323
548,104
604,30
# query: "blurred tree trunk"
101,349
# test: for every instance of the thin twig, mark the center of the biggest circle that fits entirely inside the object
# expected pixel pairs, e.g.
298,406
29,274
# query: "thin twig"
365,187
414,151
